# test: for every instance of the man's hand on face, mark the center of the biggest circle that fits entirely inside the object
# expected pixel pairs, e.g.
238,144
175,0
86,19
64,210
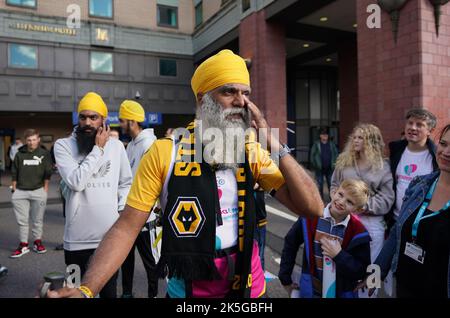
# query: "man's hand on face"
102,136
260,123
256,115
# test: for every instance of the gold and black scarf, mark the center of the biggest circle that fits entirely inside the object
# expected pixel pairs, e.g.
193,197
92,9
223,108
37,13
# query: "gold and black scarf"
189,222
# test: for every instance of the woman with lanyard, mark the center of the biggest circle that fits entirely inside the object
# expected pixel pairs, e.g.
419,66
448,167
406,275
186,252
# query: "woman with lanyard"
417,249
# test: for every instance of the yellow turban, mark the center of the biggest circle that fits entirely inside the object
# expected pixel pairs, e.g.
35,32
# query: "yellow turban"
93,102
223,68
132,110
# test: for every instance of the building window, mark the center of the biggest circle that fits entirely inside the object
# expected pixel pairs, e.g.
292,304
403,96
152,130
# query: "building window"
167,67
199,13
101,62
22,3
23,56
246,4
167,16
101,8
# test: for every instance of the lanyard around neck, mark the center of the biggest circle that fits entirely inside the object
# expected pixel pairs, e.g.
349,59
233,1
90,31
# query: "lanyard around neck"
423,208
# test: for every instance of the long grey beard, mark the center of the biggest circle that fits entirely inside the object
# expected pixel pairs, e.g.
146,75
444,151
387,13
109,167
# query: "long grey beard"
232,143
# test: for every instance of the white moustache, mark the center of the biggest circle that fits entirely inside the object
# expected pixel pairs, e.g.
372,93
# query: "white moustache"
233,111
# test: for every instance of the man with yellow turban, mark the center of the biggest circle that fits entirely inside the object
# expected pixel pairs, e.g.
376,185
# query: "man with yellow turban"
132,119
208,248
96,177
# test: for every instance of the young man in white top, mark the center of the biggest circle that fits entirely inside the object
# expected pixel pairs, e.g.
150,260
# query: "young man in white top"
96,177
412,156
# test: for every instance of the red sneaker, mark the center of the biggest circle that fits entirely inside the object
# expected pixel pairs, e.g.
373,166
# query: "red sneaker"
20,251
38,247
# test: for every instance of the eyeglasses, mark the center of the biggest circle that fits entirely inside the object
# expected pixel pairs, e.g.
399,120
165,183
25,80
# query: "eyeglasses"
84,117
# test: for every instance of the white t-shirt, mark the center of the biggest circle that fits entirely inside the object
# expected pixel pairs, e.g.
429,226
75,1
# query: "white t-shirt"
226,234
411,164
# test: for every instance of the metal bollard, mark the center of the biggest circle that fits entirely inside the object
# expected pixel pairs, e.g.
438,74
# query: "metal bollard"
53,281
3,272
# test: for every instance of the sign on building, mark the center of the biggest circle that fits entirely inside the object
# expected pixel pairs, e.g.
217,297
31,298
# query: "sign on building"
154,118
113,119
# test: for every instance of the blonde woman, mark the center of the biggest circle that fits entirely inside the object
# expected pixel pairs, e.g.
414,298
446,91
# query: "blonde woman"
363,159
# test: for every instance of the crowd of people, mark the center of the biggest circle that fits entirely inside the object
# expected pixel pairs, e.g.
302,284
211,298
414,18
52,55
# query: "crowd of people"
392,212
401,192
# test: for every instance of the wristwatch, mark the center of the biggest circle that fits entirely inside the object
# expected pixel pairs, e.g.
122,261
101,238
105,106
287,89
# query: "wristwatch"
285,150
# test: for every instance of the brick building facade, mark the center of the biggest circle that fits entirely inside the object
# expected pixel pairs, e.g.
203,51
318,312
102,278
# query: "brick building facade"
318,63
414,72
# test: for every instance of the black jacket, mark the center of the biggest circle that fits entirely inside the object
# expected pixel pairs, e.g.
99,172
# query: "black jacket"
260,209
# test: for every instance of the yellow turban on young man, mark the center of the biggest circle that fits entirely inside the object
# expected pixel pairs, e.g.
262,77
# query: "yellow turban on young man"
93,102
223,68
132,110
